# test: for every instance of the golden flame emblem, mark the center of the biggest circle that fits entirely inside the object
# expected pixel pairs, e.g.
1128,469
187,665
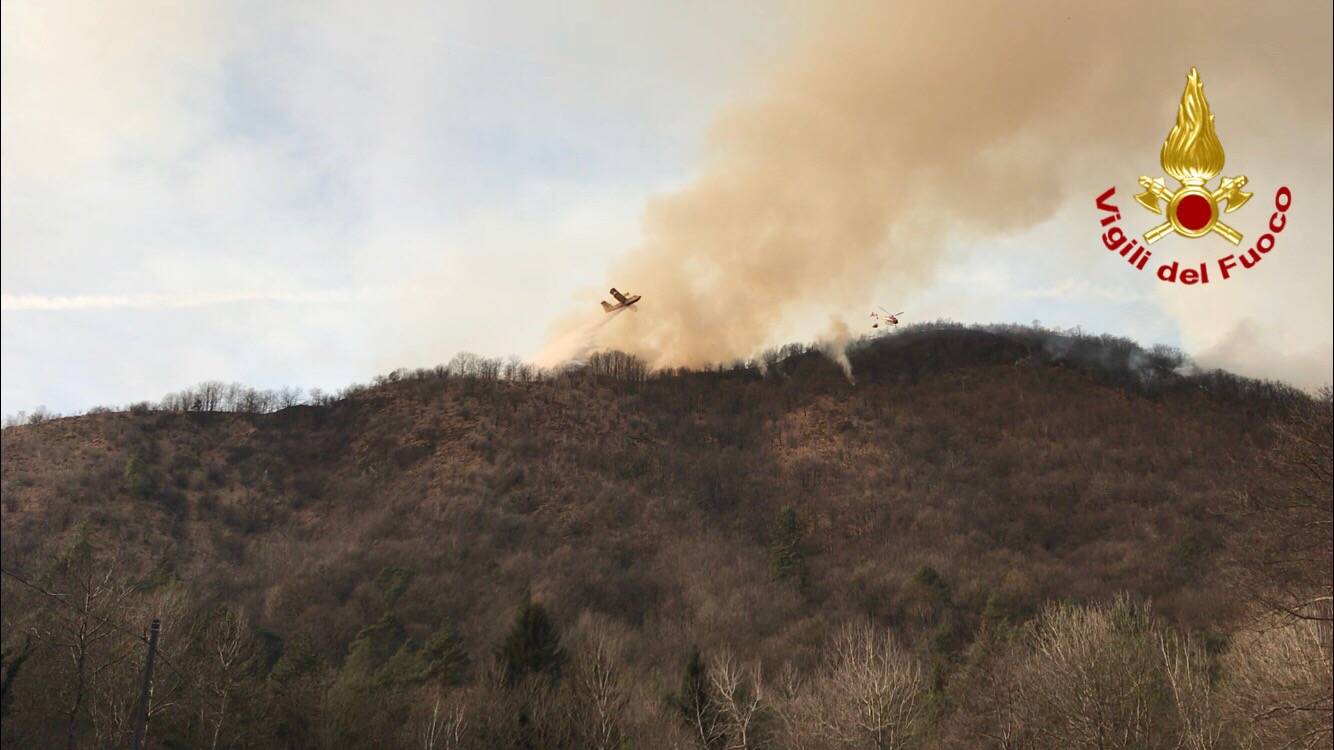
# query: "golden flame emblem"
1193,155
1192,152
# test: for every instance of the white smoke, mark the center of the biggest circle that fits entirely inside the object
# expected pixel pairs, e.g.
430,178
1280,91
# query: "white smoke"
574,345
895,130
834,344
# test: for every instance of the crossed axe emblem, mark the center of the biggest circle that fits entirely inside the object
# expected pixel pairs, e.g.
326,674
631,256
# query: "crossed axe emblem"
1193,210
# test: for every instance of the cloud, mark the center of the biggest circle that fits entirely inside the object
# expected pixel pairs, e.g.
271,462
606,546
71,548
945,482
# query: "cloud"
150,301
458,161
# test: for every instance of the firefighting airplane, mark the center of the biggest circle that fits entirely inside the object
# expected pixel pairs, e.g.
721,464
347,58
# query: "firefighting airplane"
886,317
622,301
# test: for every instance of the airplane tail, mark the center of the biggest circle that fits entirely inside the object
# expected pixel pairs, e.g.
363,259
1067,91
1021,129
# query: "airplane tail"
606,307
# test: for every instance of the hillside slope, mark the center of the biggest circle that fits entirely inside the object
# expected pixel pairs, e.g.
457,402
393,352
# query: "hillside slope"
1004,467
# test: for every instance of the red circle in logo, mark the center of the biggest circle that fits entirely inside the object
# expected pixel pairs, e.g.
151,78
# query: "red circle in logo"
1194,212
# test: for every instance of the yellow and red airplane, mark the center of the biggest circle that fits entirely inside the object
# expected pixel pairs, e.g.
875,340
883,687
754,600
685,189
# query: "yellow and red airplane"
622,301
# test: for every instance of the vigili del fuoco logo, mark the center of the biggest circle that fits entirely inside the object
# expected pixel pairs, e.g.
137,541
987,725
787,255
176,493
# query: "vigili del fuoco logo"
1192,155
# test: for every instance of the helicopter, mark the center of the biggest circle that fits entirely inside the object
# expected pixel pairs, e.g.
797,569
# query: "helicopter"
885,317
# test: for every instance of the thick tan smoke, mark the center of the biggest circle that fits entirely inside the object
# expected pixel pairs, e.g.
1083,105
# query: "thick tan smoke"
896,127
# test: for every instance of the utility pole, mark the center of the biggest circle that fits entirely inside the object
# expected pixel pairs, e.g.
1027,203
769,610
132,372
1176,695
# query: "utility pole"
141,708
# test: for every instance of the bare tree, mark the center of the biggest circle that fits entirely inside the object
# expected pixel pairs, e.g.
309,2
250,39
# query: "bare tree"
1090,677
210,395
1279,682
86,629
233,396
872,692
113,694
113,699
1283,545
618,365
990,699
740,694
488,368
1282,556
228,643
602,686
797,710
288,397
444,729
465,365
1186,667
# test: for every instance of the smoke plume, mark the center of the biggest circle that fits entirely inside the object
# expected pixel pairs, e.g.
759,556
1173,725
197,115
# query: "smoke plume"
834,343
577,341
895,128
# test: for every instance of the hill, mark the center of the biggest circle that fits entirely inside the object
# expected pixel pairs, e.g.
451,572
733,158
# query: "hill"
368,553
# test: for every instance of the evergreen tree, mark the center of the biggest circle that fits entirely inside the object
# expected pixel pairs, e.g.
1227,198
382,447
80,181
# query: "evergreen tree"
533,644
374,645
444,658
393,581
935,586
138,479
298,658
785,545
12,661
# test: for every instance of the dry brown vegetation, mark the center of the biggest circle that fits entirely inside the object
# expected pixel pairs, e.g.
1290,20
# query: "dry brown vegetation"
957,551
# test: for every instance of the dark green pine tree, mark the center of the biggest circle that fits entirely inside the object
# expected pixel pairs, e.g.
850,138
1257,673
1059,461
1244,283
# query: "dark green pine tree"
533,644
444,657
785,545
695,703
393,582
10,664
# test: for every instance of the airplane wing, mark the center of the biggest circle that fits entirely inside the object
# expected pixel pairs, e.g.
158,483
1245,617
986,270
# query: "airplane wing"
619,297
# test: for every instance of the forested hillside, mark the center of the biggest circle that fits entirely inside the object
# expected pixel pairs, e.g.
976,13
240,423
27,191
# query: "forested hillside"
994,537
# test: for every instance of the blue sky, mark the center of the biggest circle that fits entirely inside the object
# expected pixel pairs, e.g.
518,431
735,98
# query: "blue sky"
303,194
